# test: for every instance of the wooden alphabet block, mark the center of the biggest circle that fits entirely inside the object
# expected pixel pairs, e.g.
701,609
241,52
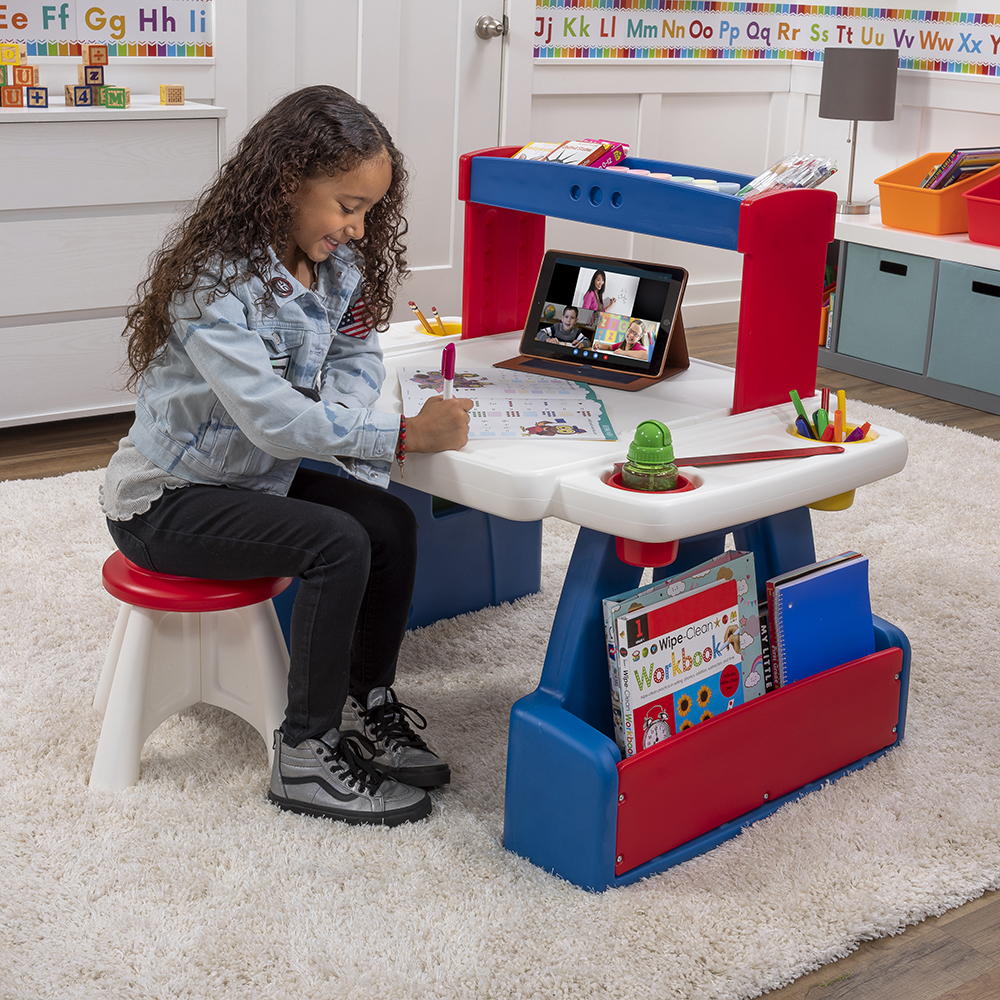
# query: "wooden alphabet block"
79,97
90,76
12,97
171,94
36,97
4,82
94,55
117,97
24,76
10,54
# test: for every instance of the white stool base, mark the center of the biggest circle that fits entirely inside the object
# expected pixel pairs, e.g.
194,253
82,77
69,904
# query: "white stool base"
160,662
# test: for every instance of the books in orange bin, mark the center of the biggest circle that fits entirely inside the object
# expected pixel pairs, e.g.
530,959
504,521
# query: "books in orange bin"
959,165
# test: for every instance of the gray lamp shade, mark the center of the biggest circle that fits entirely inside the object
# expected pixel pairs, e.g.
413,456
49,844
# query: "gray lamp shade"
859,84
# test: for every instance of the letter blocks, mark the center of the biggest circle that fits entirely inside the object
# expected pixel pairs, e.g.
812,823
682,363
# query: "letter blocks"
13,53
90,76
36,97
171,94
12,97
94,55
116,97
24,76
79,97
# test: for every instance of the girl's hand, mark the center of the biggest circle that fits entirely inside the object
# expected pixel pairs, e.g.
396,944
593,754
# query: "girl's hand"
441,425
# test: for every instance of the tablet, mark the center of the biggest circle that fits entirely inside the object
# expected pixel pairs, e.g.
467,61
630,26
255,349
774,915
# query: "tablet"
604,321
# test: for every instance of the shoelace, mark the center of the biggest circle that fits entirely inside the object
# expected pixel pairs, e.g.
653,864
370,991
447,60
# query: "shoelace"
390,723
354,752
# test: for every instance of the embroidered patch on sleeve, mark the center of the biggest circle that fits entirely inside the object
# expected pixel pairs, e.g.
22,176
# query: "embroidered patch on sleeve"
354,323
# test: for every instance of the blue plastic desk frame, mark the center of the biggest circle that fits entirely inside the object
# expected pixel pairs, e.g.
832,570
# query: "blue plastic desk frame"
466,559
562,777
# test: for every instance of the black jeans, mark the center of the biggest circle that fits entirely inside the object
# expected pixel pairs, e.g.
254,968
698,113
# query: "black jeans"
354,548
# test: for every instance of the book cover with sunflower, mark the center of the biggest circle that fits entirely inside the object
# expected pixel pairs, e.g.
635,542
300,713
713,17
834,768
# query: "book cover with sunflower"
743,634
676,667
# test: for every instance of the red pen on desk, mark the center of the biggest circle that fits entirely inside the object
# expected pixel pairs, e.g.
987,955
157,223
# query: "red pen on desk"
448,369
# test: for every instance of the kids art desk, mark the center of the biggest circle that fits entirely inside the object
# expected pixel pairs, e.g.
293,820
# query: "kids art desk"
572,805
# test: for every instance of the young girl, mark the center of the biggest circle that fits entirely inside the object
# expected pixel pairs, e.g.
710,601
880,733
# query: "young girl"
253,345
633,343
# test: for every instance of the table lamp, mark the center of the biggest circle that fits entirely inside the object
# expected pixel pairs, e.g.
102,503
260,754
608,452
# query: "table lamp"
858,85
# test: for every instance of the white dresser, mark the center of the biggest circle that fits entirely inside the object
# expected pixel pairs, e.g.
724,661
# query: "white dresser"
86,195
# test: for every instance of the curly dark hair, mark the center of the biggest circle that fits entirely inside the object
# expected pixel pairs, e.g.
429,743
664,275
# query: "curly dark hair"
311,132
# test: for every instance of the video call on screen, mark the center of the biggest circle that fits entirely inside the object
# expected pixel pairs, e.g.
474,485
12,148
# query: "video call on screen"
620,321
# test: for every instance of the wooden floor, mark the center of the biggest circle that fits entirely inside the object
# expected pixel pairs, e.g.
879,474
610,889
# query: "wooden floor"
953,957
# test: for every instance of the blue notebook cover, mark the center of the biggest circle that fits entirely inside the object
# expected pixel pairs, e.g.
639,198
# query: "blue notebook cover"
823,619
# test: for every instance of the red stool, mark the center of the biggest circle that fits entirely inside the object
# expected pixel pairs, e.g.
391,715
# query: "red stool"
179,641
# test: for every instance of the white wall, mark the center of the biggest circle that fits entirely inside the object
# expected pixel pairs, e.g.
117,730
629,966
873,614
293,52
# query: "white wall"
729,115
733,115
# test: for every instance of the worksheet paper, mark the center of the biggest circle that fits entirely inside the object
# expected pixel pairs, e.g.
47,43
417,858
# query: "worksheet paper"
510,404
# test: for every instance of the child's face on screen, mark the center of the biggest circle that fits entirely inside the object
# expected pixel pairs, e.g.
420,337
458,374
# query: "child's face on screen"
331,210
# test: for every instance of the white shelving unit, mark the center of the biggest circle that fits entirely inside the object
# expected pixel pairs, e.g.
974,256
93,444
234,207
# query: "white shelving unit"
86,195
928,323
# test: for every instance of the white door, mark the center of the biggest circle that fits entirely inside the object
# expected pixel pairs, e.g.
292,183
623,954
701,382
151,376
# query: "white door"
440,93
418,63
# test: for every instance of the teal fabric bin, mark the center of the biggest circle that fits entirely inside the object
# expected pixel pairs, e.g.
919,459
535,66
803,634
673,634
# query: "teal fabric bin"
965,342
886,309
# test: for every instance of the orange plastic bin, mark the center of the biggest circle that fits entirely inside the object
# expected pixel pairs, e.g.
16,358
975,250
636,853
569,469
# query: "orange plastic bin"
984,212
906,205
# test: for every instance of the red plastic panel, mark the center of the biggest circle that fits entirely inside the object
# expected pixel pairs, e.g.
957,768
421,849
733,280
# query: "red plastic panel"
503,252
727,766
161,592
783,238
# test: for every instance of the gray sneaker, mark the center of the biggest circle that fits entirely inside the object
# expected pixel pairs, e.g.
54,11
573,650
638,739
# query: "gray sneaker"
332,777
399,751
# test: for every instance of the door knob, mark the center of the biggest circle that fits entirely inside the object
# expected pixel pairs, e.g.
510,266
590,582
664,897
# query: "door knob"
489,27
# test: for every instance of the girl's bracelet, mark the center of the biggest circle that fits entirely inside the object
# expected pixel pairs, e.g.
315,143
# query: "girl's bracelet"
401,446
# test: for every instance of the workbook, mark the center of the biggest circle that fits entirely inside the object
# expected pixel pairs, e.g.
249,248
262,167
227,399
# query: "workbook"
820,617
743,632
676,664
510,404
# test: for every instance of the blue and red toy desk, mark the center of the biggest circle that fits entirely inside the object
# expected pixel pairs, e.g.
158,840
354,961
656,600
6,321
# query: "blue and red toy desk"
572,805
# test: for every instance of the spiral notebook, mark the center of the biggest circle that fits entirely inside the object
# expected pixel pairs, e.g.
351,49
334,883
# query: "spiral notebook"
820,618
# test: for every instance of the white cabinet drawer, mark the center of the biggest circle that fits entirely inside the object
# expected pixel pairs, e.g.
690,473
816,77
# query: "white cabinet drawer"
60,164
61,265
51,370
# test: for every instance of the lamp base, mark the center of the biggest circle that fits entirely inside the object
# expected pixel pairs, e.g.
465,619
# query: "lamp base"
853,208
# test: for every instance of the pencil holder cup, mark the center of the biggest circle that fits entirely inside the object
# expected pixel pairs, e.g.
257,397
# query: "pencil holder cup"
870,436
842,500
452,328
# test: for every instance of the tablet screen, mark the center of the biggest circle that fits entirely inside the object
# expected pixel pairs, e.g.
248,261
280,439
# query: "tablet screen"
603,312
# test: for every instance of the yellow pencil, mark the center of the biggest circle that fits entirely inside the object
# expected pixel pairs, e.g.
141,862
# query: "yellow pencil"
437,317
842,403
422,318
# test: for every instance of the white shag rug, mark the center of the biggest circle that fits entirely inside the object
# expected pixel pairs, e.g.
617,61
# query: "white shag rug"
190,885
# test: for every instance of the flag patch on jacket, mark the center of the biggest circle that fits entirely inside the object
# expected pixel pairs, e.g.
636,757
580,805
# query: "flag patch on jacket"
353,323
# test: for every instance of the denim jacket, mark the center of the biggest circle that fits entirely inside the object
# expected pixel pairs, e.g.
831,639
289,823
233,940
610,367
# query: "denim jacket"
218,404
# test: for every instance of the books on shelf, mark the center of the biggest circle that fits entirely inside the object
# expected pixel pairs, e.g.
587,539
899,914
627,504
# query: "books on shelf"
819,616
662,681
959,165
